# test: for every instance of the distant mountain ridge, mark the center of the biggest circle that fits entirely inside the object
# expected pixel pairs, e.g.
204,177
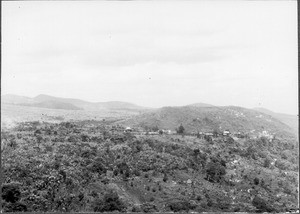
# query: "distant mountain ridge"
51,102
166,117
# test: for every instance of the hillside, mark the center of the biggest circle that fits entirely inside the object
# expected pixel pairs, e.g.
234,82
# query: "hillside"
52,104
15,99
288,119
89,166
47,98
194,119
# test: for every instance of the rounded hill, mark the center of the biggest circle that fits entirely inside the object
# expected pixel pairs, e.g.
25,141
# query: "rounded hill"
203,119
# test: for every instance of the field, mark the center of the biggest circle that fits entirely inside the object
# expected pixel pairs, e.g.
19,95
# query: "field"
11,114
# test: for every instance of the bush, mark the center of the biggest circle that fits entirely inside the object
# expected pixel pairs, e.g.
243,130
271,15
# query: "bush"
123,167
165,179
179,206
256,181
136,208
11,192
97,166
261,205
208,138
281,165
110,202
267,163
14,207
215,171
149,207
136,172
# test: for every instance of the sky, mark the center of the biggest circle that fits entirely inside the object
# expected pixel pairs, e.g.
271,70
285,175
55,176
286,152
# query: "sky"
153,53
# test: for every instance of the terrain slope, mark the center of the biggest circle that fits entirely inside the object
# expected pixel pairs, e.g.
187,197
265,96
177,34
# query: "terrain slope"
207,119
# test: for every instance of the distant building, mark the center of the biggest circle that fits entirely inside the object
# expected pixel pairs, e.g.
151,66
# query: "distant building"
128,129
200,135
189,181
167,131
266,134
240,135
226,133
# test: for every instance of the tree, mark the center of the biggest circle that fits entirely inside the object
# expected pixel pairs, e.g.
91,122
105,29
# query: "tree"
180,129
216,133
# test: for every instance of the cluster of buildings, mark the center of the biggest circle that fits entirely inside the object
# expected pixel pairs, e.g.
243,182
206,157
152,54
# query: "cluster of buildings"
142,132
170,132
201,135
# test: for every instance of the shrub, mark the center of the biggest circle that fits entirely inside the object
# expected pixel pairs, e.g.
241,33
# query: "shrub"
136,172
97,166
14,207
208,138
85,138
256,181
179,206
136,208
281,165
262,154
123,167
11,192
261,205
215,171
116,172
267,163
149,207
110,202
165,178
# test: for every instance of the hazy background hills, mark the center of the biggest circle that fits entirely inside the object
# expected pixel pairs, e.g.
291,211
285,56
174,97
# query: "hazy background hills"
290,120
51,102
194,117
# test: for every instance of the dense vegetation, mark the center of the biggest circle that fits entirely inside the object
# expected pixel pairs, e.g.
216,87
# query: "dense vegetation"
91,166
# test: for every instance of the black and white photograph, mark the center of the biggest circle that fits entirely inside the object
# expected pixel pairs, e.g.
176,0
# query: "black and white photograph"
149,106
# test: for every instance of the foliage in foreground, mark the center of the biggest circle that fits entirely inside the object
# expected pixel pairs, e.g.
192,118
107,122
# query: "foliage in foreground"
85,166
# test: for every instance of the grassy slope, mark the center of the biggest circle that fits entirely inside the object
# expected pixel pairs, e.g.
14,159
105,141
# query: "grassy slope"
209,118
290,120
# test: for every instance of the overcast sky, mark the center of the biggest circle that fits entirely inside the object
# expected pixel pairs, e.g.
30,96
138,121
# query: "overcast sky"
153,53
